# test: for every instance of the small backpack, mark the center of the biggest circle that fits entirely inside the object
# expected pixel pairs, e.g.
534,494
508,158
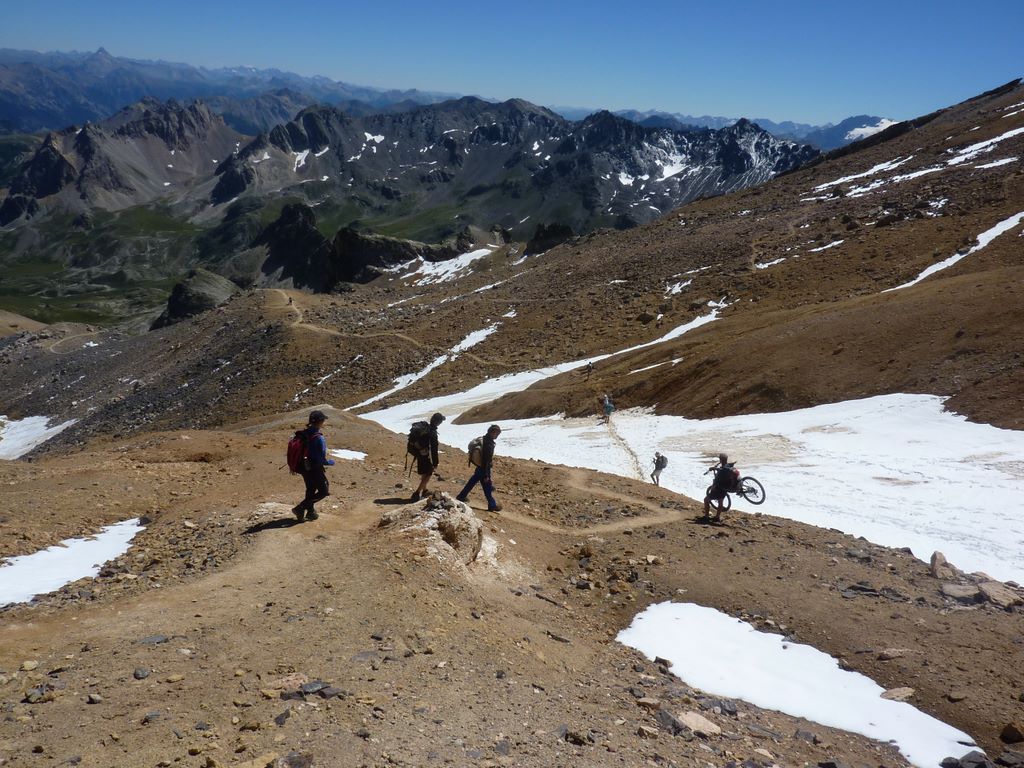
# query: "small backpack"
297,451
418,443
662,462
476,451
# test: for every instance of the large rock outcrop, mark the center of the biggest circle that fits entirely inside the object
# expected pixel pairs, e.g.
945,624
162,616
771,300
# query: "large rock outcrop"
197,293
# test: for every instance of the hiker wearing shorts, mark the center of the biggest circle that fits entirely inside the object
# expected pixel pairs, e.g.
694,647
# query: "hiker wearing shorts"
312,469
482,474
660,462
426,462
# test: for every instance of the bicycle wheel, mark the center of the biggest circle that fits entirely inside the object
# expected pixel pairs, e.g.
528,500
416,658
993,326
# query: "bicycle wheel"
751,490
726,500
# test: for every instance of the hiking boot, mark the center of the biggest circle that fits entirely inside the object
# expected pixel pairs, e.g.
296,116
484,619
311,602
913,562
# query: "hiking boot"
299,511
415,496
495,508
312,515
463,499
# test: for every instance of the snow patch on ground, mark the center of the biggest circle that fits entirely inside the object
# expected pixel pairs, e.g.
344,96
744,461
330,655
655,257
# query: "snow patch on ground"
772,672
344,453
18,437
25,577
300,159
445,271
675,288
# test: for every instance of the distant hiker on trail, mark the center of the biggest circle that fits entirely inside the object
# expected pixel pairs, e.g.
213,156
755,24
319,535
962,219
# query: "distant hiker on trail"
311,466
724,482
423,445
607,406
660,462
481,455
590,369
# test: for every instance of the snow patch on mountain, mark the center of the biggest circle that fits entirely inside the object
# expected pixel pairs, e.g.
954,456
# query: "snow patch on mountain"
869,130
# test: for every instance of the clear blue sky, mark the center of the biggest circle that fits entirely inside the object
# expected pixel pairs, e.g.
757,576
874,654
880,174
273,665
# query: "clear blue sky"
785,60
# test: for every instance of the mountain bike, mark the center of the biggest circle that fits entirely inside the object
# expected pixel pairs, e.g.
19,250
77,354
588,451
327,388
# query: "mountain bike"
749,488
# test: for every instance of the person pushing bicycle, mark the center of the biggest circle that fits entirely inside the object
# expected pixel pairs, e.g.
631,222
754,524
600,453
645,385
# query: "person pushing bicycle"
724,482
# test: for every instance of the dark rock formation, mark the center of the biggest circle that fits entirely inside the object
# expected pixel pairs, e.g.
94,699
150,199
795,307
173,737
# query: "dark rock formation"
360,257
296,251
547,236
198,292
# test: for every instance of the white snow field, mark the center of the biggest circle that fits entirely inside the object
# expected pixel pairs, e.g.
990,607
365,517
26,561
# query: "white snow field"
896,469
773,673
24,577
18,437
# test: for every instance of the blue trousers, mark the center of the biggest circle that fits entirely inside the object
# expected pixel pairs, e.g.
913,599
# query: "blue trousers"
483,477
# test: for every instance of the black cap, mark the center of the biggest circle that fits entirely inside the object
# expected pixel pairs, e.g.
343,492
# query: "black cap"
317,416
437,418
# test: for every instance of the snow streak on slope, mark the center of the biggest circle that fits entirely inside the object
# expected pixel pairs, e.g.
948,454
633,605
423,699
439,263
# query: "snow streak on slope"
984,239
404,381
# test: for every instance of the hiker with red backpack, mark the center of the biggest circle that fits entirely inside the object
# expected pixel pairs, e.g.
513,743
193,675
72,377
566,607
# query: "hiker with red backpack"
422,445
481,456
307,455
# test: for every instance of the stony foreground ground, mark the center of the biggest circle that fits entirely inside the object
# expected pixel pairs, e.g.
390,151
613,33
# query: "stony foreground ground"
230,635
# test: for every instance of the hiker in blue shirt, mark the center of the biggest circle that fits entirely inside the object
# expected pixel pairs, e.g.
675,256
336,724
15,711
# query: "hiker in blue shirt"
312,470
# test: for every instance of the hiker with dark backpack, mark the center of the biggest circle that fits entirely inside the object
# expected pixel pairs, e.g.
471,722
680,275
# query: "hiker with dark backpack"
307,455
660,462
422,446
725,476
481,456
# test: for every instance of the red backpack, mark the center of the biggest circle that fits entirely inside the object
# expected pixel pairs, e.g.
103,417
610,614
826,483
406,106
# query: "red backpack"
297,452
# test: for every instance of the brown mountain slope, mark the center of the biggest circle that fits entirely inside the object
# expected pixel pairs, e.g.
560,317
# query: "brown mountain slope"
610,290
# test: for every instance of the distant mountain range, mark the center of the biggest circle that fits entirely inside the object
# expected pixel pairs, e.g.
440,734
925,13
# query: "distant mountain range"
50,91
162,187
823,137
